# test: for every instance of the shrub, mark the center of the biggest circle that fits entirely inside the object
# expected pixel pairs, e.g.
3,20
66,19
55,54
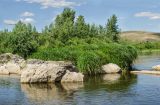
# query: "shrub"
90,57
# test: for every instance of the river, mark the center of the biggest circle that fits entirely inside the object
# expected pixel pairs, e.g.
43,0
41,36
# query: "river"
98,90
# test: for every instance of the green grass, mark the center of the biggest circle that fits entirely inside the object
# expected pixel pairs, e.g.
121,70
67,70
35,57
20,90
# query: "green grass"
89,58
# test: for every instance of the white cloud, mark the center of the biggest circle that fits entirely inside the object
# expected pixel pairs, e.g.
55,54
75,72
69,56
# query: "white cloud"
27,14
10,22
150,15
25,20
52,3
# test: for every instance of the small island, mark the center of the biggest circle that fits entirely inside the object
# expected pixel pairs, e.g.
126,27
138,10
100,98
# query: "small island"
74,62
87,46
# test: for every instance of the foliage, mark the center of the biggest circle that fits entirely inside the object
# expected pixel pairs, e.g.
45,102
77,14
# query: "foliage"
88,46
81,29
23,39
90,57
112,28
66,27
4,42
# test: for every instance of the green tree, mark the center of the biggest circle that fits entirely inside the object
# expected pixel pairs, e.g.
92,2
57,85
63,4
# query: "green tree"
101,30
64,25
80,27
112,30
4,41
93,30
23,40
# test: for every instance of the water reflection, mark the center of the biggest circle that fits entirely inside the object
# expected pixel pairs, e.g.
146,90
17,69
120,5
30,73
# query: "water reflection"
111,82
123,83
11,81
111,77
50,92
110,89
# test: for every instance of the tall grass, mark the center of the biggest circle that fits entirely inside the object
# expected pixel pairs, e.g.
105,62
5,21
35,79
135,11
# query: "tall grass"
90,57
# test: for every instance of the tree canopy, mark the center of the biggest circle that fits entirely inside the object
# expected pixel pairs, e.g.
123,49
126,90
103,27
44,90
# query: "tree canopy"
24,38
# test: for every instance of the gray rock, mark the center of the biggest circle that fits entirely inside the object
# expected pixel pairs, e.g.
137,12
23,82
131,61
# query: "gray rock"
3,70
111,68
72,77
11,64
38,71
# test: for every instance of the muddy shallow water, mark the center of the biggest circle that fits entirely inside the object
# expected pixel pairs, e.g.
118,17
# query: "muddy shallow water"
98,90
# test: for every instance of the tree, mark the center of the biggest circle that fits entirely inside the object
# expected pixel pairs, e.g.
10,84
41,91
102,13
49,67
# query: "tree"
101,30
64,25
80,27
4,41
23,40
112,30
93,30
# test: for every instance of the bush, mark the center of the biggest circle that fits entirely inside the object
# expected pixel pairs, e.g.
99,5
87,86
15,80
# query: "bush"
90,57
89,62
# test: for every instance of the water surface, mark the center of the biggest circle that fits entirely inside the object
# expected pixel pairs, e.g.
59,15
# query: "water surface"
98,90
147,60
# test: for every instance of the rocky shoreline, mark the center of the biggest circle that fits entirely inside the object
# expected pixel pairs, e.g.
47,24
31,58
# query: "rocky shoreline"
38,71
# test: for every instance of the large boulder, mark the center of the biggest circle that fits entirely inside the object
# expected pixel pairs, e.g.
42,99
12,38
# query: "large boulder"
38,71
11,64
157,67
3,70
111,68
72,77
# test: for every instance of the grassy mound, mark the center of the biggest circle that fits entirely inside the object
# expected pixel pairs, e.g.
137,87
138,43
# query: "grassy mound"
90,57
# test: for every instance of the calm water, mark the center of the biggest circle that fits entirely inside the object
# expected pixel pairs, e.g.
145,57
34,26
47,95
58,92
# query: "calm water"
100,90
147,60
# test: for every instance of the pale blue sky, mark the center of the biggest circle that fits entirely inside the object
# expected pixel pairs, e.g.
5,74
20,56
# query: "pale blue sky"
132,14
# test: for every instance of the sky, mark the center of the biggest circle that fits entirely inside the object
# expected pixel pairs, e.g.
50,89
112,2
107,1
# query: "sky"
133,15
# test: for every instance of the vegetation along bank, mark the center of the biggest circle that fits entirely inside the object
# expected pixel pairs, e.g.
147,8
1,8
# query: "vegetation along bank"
88,46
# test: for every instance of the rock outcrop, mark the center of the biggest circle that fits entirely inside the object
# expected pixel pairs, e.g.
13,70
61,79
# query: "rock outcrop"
111,68
157,67
3,70
38,71
11,64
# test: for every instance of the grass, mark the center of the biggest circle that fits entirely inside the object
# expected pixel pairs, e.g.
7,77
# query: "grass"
89,58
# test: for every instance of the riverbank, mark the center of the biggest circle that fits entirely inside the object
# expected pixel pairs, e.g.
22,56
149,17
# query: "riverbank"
147,63
149,51
146,72
39,71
